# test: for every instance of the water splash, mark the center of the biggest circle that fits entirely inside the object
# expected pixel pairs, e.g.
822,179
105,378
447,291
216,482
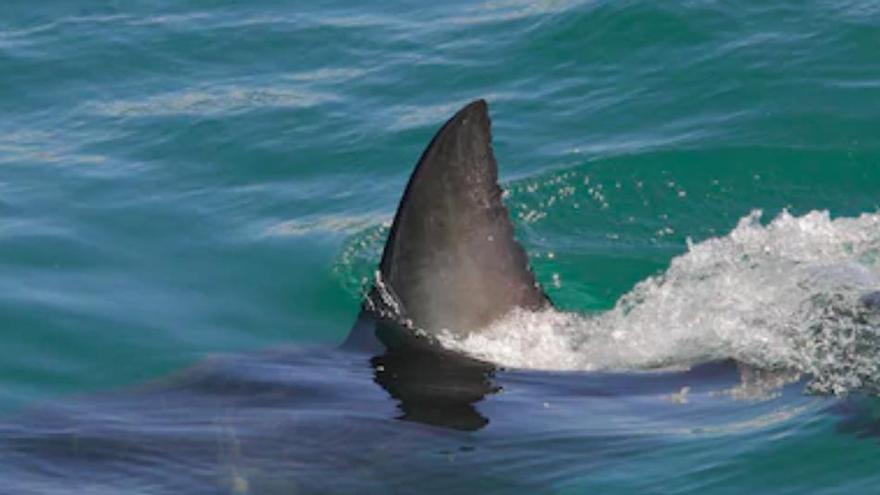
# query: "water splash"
786,295
355,268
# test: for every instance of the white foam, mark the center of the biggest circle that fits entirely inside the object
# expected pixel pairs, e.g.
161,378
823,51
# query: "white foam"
784,295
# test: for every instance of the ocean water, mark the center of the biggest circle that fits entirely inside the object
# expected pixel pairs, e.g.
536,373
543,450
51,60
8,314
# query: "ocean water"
194,195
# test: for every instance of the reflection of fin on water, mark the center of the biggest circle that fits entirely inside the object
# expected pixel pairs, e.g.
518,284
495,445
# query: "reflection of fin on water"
436,388
433,385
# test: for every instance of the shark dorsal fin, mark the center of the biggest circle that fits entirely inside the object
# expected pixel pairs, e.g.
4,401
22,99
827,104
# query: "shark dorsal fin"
451,261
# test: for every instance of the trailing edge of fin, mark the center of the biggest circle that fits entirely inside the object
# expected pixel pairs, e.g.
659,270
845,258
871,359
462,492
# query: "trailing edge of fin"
451,261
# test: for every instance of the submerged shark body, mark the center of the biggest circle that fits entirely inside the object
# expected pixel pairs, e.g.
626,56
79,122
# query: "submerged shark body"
451,262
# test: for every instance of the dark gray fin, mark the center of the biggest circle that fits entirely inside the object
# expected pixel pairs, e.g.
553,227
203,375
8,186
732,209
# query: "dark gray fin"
451,261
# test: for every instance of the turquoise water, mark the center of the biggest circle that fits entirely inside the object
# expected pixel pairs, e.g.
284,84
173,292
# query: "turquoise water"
182,179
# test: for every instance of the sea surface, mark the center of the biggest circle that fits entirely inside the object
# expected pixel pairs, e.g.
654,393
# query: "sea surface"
194,196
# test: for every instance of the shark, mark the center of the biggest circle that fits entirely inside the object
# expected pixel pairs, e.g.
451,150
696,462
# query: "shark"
452,264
